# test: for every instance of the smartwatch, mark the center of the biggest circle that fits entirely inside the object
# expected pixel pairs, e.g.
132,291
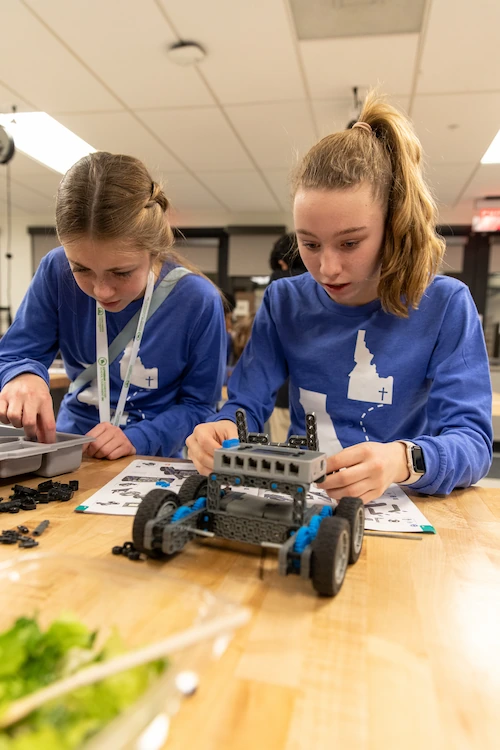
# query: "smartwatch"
414,461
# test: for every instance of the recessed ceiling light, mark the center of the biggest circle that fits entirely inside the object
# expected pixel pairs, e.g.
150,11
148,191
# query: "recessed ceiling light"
492,155
186,53
45,140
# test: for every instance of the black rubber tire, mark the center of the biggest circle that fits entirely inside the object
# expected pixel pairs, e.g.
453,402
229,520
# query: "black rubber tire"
192,488
149,508
353,510
330,554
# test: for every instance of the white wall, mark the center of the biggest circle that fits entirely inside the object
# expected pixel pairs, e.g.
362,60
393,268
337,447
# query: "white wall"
21,255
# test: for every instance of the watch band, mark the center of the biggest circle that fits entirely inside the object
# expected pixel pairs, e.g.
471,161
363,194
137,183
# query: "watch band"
414,461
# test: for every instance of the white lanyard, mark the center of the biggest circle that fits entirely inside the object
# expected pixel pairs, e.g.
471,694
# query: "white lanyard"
103,357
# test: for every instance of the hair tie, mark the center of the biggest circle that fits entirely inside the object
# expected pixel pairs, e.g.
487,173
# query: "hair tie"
363,125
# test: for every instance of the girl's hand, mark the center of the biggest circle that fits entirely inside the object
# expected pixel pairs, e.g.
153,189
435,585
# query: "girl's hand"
206,438
367,470
26,402
110,442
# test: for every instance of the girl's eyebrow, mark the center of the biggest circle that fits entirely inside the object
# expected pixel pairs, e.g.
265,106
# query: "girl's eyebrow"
116,268
349,230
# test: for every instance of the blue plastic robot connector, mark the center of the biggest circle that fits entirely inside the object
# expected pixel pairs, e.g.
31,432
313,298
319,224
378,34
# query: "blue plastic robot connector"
300,489
162,483
213,477
237,480
274,486
231,443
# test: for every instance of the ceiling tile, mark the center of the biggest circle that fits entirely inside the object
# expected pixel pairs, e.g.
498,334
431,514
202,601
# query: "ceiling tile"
334,66
22,165
9,98
27,200
185,193
121,133
201,138
486,182
251,54
447,181
241,191
274,133
279,179
42,69
128,50
474,121
460,213
460,52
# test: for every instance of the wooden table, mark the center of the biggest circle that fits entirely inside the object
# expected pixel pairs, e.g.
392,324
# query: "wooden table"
407,656
496,404
58,378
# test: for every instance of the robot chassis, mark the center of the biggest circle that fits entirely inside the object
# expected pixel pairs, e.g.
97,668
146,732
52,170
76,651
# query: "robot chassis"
314,541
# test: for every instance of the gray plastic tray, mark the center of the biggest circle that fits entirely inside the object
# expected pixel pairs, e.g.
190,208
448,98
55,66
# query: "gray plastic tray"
18,455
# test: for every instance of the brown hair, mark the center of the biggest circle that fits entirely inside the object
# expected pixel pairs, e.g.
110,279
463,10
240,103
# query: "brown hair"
241,333
113,197
390,160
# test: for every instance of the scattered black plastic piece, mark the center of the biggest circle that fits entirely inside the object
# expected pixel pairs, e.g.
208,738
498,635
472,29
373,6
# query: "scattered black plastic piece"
41,528
60,493
45,486
20,489
23,529
73,483
4,539
117,550
128,545
28,505
134,554
28,543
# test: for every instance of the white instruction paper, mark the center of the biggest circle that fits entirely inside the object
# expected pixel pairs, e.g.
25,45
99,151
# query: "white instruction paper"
393,511
122,495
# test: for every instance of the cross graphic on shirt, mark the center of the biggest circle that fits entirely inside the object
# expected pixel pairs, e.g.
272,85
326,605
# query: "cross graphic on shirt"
383,392
149,379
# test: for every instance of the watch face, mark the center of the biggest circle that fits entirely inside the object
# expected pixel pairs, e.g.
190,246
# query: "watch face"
6,146
418,460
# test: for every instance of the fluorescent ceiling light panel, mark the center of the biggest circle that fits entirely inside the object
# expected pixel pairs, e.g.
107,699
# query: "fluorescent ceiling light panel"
492,155
44,139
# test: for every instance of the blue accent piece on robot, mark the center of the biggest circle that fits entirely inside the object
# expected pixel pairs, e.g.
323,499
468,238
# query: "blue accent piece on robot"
306,534
231,443
300,489
162,483
213,477
274,485
186,510
237,480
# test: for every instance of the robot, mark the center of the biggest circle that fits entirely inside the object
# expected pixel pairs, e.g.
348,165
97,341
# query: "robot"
315,541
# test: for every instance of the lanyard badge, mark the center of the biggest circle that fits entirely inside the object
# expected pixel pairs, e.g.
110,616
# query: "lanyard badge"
103,385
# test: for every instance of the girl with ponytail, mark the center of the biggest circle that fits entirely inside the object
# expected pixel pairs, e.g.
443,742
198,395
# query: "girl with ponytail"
389,355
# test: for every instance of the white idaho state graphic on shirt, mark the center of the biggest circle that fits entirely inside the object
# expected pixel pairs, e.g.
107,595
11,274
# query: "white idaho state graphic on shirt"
141,376
365,384
327,436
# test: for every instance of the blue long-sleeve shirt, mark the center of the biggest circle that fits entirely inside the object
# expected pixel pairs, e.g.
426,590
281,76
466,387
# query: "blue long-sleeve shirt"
177,378
369,375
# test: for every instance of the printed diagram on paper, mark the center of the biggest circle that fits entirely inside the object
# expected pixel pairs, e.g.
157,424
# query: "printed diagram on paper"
122,495
394,511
